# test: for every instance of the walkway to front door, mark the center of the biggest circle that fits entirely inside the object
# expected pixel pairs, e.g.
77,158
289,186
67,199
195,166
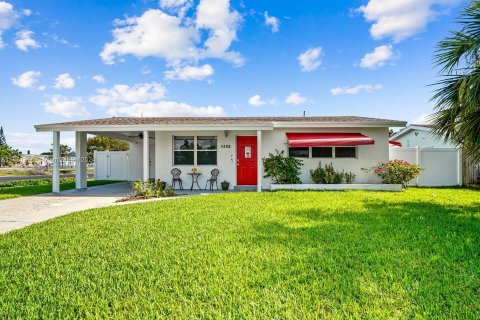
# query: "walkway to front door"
246,160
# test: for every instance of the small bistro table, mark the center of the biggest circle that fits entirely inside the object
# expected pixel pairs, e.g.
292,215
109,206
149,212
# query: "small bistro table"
194,176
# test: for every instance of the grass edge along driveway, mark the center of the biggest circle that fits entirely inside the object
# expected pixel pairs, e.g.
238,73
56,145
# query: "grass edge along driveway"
22,191
287,255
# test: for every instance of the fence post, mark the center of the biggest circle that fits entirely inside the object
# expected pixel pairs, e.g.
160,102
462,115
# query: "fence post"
417,162
459,166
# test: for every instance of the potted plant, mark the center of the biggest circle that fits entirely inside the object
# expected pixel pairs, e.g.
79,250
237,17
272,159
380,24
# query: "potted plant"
225,185
161,184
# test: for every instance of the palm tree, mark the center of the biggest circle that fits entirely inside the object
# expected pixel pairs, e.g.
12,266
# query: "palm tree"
457,96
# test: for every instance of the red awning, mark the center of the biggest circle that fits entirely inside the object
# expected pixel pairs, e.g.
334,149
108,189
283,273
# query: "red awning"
319,139
395,143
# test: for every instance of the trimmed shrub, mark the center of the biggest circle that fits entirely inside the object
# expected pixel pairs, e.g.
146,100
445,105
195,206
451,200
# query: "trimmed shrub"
328,175
151,189
282,169
396,172
32,182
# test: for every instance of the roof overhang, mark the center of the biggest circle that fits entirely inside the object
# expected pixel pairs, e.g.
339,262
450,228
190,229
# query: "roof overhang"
138,127
339,124
408,129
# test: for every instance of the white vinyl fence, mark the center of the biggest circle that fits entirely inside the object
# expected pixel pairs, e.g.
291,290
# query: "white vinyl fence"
111,165
442,166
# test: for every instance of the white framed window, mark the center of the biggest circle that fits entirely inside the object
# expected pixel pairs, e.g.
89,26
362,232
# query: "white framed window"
191,150
206,150
324,152
183,150
299,152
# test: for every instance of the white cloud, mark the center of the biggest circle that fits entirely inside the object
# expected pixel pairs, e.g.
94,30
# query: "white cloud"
98,78
8,17
257,101
25,41
402,19
222,24
66,107
64,81
378,57
179,7
295,98
122,94
26,79
37,142
148,100
272,22
154,33
310,59
145,70
355,89
421,119
168,4
176,38
190,72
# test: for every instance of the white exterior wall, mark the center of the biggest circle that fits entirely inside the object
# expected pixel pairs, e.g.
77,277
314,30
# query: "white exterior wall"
368,155
422,139
226,157
135,162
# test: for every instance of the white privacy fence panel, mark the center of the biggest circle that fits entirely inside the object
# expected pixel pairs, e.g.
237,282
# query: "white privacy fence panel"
442,166
111,165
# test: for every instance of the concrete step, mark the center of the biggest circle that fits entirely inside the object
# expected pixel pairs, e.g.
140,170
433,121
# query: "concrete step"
245,188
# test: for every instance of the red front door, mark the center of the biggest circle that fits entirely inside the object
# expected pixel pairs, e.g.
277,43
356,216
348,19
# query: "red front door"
247,160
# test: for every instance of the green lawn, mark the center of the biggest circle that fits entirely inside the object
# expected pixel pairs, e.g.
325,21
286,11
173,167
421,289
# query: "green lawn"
15,192
281,255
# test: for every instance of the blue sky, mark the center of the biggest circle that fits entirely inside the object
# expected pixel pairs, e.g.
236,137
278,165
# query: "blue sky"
70,60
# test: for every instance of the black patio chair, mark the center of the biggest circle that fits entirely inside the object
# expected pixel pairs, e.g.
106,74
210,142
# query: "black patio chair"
176,178
213,179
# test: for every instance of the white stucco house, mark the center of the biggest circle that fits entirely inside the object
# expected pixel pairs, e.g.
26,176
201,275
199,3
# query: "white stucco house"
233,145
418,135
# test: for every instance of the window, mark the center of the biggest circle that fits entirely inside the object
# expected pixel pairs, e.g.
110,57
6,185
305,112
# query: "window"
207,150
300,152
322,152
345,152
185,148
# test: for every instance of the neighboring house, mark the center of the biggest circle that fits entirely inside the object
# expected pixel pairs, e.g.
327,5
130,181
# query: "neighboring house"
235,146
418,135
45,161
34,160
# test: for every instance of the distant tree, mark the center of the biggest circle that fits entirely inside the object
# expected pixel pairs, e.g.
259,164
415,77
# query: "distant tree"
99,143
457,97
65,151
3,141
8,155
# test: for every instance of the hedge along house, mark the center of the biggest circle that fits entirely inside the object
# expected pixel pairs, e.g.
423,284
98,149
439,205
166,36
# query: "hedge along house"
235,146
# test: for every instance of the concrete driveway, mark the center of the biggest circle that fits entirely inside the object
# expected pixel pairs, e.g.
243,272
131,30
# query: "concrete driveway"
20,212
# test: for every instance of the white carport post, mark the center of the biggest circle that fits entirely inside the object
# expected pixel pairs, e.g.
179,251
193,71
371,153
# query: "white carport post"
146,158
56,162
259,161
80,160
